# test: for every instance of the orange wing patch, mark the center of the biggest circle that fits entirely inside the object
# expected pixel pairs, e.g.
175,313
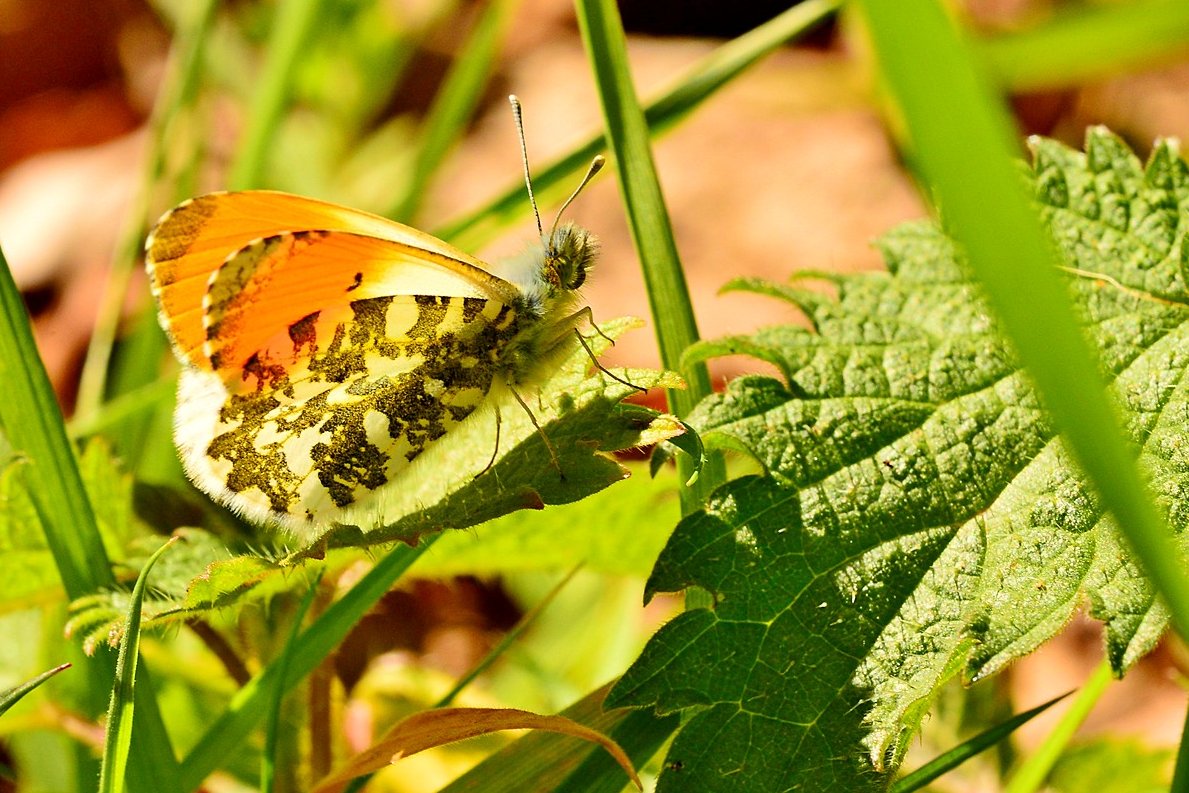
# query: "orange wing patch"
308,253
275,283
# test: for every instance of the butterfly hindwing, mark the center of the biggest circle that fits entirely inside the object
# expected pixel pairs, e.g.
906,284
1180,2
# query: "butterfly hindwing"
314,433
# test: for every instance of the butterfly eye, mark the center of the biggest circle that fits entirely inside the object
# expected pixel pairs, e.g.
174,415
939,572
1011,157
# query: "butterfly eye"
571,253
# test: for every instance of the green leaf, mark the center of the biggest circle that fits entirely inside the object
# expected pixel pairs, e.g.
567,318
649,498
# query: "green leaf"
960,754
13,695
30,577
963,141
918,512
118,740
197,578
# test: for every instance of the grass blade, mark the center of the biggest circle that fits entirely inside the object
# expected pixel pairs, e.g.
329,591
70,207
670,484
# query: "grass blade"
272,724
454,104
962,140
120,712
291,28
1180,774
1089,42
648,219
33,422
13,695
960,754
1030,775
701,82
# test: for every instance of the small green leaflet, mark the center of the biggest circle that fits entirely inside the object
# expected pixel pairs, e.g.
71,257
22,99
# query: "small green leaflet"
917,517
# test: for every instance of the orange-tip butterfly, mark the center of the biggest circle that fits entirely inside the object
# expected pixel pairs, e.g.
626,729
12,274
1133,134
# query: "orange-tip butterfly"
325,348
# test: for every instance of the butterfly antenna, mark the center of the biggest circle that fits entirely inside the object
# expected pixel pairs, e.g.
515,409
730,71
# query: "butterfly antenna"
528,180
596,165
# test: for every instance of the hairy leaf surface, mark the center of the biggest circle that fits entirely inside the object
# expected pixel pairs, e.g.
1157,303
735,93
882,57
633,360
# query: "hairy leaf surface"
918,515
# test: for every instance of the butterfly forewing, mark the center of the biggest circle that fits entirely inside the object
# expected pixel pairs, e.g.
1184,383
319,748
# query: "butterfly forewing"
276,284
191,245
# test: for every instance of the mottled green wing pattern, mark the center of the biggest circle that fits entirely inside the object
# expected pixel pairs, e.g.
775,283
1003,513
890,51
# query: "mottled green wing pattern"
307,434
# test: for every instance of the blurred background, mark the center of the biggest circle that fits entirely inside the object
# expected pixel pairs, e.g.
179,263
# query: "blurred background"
789,167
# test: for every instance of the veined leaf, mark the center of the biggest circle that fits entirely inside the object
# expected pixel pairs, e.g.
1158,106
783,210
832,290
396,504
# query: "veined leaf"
918,514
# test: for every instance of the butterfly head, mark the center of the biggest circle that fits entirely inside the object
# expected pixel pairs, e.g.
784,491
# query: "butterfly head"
569,254
569,250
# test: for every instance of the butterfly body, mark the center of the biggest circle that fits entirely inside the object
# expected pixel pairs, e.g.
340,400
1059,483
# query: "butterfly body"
325,349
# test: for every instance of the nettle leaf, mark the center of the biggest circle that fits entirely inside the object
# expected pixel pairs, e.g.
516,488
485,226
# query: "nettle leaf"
918,517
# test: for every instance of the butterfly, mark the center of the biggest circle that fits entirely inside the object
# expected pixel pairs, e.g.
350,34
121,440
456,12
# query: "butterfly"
325,348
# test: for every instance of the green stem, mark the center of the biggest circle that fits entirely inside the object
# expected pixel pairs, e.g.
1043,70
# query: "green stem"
1180,776
177,92
648,220
292,26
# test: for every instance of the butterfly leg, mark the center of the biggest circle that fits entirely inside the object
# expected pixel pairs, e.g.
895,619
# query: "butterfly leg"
548,444
599,366
496,450
587,314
